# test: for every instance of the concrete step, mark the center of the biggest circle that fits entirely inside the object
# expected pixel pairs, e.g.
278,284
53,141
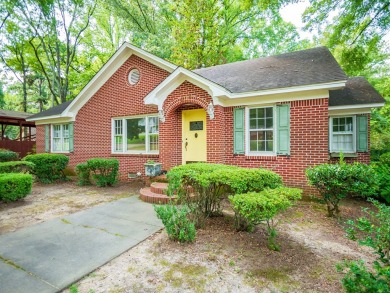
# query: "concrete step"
147,195
159,187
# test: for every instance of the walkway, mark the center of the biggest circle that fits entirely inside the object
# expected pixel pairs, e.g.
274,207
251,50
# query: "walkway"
51,256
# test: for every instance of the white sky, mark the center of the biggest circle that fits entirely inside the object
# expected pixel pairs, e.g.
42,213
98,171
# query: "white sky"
293,13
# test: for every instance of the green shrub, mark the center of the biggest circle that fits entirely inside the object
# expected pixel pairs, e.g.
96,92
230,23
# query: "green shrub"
7,155
382,169
336,181
14,186
256,207
83,174
210,183
104,171
373,230
16,167
176,222
48,167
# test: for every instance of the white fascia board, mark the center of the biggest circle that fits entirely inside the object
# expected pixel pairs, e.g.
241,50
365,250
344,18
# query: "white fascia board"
57,119
301,88
276,98
112,65
353,109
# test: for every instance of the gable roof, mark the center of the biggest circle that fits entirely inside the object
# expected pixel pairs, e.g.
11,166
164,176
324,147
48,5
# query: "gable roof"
357,91
312,66
296,71
54,111
69,110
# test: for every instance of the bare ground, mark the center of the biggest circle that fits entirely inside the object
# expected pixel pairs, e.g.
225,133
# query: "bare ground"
220,260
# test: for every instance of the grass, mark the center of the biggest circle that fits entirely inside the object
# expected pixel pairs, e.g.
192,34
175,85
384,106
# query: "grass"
192,275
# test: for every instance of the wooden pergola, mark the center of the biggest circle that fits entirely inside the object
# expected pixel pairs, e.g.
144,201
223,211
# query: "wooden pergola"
26,140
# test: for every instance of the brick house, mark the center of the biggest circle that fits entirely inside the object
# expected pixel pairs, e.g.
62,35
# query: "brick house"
284,113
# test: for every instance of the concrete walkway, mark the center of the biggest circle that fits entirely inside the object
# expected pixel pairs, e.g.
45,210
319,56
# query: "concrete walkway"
51,256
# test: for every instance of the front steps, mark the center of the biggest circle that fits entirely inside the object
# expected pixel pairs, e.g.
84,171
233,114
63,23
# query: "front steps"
156,193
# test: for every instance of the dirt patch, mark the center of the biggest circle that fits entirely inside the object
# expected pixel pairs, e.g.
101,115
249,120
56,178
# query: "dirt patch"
48,201
220,260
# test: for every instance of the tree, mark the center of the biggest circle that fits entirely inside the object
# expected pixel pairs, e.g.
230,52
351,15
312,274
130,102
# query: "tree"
56,28
354,31
353,21
2,101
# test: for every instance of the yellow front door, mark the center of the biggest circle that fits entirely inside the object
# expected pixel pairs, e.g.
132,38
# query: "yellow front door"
194,136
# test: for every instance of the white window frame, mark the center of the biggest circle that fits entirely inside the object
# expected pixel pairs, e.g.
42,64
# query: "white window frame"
331,150
124,132
61,137
248,152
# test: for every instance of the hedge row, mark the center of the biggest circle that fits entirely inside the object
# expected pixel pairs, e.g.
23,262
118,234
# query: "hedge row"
14,186
7,155
16,167
48,167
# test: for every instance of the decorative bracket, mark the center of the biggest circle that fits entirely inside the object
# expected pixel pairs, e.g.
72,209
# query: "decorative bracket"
161,115
210,110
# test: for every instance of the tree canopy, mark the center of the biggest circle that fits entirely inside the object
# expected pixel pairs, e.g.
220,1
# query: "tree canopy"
49,49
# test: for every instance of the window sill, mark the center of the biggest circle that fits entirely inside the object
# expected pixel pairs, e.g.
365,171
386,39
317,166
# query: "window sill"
261,157
153,155
346,155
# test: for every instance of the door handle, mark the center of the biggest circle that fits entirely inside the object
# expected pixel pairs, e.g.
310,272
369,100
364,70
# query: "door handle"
185,145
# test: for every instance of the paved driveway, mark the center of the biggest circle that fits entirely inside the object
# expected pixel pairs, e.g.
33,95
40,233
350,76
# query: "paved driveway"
50,256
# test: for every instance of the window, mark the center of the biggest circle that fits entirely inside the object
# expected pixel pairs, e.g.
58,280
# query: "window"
60,138
261,130
342,134
135,135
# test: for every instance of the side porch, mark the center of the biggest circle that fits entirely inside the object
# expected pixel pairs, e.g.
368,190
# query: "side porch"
17,134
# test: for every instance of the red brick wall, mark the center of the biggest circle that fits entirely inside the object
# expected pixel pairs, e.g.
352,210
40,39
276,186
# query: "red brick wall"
40,139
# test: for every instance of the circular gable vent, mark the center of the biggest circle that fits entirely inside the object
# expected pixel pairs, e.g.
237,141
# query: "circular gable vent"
134,76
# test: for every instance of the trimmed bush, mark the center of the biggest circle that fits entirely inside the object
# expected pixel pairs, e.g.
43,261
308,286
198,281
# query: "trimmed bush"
210,183
256,207
14,186
176,222
104,171
48,167
7,155
336,181
83,174
382,168
16,167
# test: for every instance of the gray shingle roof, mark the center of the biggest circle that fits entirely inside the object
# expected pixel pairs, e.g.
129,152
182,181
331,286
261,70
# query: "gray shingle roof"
57,110
357,91
14,114
312,66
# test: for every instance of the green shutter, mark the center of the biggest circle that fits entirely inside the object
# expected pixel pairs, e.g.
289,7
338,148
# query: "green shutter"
47,138
239,131
361,134
71,130
283,129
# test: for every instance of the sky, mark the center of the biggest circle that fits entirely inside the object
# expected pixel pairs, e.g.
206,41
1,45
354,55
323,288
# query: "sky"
293,13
